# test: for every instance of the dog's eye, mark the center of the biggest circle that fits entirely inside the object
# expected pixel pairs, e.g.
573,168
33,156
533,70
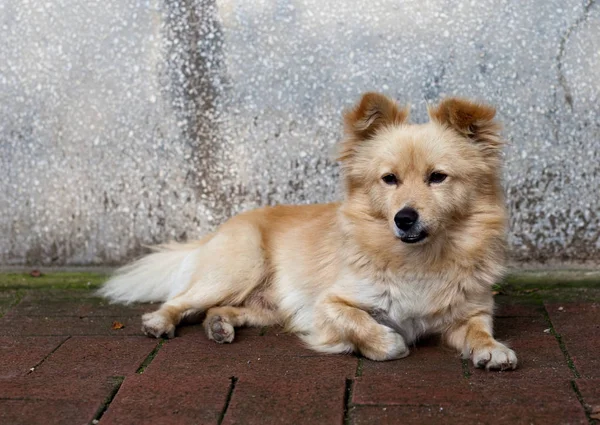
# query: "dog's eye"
390,179
436,177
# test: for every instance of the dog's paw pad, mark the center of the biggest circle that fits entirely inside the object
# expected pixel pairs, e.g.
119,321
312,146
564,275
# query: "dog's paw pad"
496,357
220,331
156,325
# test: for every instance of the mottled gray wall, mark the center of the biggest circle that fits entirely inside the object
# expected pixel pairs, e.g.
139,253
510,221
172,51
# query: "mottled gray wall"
127,122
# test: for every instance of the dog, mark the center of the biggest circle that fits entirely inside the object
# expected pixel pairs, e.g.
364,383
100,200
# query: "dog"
413,248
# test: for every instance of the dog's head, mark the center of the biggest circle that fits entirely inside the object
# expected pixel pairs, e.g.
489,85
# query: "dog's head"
419,180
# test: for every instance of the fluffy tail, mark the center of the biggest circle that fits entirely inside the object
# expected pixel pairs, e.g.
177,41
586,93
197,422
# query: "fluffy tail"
156,277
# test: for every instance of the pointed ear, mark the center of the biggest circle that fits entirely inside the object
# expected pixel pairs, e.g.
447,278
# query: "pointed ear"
373,111
472,120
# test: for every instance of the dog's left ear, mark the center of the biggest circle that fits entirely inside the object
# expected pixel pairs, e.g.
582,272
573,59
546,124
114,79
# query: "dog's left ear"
473,120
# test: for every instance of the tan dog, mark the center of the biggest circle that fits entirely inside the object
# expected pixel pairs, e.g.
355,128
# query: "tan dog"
413,249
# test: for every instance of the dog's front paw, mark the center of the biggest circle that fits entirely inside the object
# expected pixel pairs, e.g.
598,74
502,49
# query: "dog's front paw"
219,330
389,346
496,356
157,325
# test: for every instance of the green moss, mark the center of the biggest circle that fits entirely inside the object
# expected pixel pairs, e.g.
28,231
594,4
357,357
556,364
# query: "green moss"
359,367
465,368
150,357
562,345
9,299
554,285
554,278
52,280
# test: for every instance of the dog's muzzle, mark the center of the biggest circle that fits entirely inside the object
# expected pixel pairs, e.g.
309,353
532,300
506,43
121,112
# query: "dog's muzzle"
408,226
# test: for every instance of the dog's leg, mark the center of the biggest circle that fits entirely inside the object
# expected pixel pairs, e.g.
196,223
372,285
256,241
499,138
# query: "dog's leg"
344,324
228,267
474,339
221,321
163,321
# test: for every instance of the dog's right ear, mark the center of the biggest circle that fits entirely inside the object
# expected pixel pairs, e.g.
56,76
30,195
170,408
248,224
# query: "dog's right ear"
373,112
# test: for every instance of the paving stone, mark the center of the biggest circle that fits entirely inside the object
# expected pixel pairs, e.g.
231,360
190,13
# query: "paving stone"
169,399
192,342
514,328
62,399
543,401
13,325
19,354
315,384
590,392
278,379
93,356
472,413
44,412
182,358
59,387
424,360
508,308
401,391
578,318
265,383
410,379
43,293
578,324
34,305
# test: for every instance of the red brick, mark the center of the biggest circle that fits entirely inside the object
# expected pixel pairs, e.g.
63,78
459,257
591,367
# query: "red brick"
92,356
577,319
426,371
545,401
509,309
33,305
247,348
43,412
291,390
184,357
62,399
19,354
517,328
438,361
12,325
578,324
57,388
585,354
272,385
472,413
426,390
590,392
169,399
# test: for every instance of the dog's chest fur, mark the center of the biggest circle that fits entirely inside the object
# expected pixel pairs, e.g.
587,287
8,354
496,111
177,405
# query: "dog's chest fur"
413,306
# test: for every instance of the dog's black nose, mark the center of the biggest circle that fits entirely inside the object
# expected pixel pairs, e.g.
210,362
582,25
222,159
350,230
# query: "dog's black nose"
406,218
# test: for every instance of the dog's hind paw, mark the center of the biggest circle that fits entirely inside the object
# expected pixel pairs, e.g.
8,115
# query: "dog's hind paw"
496,357
156,325
219,330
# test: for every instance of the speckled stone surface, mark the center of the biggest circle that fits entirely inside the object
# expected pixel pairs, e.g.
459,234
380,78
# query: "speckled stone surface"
130,122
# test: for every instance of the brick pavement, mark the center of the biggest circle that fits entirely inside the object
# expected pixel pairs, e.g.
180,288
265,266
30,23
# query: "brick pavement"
61,361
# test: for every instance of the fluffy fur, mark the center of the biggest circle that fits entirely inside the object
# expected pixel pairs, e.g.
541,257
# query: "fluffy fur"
344,276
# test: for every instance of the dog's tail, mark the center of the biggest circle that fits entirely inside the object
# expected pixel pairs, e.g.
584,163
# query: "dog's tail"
156,277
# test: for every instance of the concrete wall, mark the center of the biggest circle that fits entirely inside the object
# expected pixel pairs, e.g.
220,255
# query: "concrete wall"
129,122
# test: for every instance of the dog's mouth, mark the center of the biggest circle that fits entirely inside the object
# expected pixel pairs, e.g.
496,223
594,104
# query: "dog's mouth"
414,237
